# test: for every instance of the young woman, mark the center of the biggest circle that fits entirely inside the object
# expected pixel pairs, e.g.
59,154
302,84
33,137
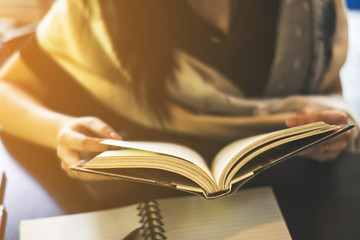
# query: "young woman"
191,69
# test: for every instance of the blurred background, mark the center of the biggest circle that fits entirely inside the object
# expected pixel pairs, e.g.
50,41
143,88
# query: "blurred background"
350,73
19,17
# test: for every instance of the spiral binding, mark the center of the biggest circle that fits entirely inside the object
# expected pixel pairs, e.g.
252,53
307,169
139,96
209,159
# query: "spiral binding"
150,218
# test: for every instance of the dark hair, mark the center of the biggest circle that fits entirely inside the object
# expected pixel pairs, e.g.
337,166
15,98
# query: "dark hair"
144,33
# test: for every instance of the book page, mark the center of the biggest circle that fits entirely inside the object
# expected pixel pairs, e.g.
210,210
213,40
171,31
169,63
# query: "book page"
251,214
149,167
226,156
105,225
170,149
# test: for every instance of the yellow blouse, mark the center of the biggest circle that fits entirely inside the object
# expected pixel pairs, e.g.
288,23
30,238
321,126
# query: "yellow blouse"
77,39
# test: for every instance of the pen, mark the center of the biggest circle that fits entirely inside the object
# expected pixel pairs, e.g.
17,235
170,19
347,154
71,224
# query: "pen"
2,207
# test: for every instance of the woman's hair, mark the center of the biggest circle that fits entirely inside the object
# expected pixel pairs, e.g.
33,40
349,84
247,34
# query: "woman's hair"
144,34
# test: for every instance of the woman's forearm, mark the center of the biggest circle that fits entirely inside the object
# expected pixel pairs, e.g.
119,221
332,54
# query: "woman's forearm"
24,116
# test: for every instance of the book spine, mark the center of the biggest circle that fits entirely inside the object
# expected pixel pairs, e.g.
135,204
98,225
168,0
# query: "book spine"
150,218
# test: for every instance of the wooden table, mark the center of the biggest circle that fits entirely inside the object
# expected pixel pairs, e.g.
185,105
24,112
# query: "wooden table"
318,201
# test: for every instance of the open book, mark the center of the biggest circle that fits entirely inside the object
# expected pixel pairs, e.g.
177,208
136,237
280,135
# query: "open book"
176,166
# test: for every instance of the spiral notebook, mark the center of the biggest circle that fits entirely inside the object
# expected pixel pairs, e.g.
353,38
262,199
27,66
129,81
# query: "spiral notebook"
249,214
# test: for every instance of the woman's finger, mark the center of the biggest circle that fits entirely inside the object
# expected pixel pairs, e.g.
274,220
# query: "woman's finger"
332,117
70,158
78,141
309,108
341,137
100,128
326,148
328,116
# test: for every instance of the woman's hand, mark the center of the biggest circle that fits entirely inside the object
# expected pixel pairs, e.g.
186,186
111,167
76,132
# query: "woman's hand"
329,150
79,139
